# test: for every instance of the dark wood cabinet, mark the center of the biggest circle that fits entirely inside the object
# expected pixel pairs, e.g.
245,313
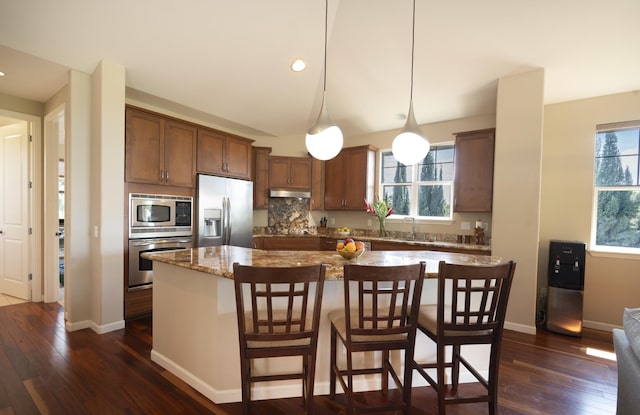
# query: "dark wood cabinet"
261,177
377,245
328,243
350,178
158,149
317,185
291,243
474,171
224,154
292,173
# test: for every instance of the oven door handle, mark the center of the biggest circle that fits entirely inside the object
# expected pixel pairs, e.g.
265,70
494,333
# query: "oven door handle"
161,241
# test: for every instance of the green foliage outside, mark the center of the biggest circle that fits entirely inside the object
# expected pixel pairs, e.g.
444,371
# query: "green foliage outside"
618,210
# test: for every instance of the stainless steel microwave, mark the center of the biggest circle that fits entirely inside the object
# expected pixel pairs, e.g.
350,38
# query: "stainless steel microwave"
159,216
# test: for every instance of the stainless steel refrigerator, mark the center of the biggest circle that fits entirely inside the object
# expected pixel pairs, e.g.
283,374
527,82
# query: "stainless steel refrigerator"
224,212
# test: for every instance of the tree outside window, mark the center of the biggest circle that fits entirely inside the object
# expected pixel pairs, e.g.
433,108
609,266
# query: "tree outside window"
422,190
617,190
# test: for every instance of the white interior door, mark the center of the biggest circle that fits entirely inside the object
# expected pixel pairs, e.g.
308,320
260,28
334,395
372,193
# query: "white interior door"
53,153
14,211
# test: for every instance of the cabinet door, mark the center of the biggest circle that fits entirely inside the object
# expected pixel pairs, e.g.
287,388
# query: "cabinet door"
238,158
261,177
350,178
334,177
143,157
355,183
290,173
210,153
179,154
474,171
278,172
300,173
317,185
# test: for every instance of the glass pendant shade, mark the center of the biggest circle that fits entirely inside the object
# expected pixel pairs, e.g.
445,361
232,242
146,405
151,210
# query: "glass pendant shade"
410,146
324,140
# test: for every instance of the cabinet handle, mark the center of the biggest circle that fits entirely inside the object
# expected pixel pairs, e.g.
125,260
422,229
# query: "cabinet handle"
166,176
161,176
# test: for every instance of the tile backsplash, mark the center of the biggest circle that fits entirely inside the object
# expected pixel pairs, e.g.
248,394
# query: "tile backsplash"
288,215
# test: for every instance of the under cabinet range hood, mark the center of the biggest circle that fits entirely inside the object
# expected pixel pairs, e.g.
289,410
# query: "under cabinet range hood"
289,193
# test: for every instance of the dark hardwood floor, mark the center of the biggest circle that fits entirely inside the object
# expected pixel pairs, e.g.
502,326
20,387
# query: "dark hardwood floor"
46,370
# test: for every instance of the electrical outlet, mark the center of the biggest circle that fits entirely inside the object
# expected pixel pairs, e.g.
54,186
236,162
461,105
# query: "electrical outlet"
369,222
465,226
333,221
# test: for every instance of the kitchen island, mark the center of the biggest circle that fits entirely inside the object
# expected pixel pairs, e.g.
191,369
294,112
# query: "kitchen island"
195,333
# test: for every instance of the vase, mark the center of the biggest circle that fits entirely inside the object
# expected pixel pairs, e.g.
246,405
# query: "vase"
381,232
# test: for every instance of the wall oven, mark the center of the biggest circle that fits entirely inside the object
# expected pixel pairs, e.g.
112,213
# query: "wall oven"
141,269
156,223
156,216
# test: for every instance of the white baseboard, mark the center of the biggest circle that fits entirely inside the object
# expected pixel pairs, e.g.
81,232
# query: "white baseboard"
88,324
522,328
596,325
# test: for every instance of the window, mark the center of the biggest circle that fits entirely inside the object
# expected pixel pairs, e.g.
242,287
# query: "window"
423,190
616,207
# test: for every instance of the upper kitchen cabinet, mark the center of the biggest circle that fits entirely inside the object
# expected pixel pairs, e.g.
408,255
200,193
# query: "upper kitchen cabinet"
261,177
158,149
350,178
292,173
317,185
474,171
223,154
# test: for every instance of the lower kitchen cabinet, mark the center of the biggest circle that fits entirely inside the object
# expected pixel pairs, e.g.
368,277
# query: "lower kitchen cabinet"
401,246
138,303
291,243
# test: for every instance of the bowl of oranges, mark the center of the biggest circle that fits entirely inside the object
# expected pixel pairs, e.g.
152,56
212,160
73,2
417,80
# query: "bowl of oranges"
350,249
343,231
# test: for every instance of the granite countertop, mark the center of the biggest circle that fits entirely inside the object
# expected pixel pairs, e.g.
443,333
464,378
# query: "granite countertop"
430,244
218,260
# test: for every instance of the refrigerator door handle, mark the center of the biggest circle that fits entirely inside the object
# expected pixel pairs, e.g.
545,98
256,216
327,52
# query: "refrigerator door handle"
228,221
224,220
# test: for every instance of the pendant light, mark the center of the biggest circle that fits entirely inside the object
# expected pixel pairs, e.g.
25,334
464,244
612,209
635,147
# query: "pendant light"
324,139
410,146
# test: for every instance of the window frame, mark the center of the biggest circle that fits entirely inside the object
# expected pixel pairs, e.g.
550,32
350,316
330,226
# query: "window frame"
415,185
610,250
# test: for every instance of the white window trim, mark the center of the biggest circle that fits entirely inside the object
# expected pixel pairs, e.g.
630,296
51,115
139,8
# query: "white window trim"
605,250
393,218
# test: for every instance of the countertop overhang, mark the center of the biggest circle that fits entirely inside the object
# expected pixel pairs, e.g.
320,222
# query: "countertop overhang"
218,260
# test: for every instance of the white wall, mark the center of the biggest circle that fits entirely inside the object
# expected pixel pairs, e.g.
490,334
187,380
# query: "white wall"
107,220
611,282
78,202
516,189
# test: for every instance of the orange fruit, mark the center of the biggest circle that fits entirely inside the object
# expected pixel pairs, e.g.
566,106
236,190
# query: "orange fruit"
340,245
359,245
350,247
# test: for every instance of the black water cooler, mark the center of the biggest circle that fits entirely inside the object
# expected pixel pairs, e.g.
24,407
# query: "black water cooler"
566,287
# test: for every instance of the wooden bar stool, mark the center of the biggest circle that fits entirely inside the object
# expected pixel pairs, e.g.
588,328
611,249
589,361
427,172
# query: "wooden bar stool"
278,311
472,303
380,314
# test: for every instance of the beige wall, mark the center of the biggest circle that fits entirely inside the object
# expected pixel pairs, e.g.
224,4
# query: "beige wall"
516,189
611,283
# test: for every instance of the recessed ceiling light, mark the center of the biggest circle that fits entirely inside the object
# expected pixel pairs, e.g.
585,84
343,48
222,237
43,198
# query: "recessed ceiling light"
298,65
2,73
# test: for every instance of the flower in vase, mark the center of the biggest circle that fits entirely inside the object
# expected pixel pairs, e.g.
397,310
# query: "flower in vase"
380,209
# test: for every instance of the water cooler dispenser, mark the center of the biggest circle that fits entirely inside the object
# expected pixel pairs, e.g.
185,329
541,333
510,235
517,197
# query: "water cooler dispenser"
566,287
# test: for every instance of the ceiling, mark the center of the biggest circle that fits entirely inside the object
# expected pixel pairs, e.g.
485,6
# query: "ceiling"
229,59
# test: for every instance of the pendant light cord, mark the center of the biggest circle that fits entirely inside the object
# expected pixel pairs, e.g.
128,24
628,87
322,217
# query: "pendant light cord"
326,19
413,36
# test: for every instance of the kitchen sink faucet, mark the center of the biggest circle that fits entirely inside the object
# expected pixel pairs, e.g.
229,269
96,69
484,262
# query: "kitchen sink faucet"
411,219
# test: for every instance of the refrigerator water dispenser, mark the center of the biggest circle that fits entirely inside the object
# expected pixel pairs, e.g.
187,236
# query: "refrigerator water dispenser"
212,223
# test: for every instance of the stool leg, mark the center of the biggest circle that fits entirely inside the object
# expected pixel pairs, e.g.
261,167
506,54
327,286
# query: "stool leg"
385,372
455,370
332,364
